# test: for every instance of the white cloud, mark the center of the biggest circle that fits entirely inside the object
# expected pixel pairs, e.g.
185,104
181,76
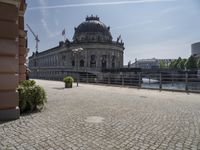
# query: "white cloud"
96,4
44,13
167,28
169,10
48,31
56,22
132,25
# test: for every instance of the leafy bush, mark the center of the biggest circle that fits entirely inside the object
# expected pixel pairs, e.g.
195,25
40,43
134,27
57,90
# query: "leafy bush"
28,83
68,81
31,96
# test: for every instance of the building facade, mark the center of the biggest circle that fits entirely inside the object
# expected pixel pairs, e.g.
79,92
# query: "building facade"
196,49
147,63
152,63
13,52
91,50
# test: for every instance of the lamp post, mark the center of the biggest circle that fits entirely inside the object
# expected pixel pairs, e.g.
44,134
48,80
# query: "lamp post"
76,52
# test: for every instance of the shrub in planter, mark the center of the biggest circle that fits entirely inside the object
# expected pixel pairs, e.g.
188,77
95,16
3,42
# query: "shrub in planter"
68,81
31,96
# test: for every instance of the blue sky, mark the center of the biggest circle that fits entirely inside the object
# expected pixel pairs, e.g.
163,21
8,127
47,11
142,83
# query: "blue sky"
149,28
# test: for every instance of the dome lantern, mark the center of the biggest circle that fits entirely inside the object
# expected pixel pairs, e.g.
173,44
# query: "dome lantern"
92,18
92,30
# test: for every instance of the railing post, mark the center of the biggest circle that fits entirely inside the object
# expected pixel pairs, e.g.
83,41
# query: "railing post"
97,76
149,80
87,77
160,86
172,79
96,80
186,81
108,78
122,79
139,79
77,78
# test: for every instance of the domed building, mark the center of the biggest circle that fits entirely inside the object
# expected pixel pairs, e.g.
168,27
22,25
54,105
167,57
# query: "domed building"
92,30
92,50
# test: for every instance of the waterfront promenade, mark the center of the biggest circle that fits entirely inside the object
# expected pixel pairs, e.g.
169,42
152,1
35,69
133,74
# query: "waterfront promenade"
94,117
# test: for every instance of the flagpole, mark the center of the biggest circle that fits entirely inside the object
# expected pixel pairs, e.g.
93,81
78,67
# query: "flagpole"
64,35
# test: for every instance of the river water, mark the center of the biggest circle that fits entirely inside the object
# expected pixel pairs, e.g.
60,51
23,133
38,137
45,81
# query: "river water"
194,86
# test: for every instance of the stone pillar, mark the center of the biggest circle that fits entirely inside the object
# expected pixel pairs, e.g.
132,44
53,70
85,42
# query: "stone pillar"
12,56
22,45
121,59
108,54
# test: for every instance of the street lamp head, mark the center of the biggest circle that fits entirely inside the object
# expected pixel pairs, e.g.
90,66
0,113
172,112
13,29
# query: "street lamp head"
79,49
76,52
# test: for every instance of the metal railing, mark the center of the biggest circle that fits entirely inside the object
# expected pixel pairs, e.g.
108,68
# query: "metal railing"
188,82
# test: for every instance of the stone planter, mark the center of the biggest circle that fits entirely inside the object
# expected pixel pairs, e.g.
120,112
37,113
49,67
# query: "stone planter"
68,85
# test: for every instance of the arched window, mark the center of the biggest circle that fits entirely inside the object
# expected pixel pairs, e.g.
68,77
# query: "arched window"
113,61
35,64
93,61
113,64
103,61
103,64
73,63
81,63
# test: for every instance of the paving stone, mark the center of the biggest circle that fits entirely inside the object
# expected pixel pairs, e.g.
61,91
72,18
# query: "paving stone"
163,120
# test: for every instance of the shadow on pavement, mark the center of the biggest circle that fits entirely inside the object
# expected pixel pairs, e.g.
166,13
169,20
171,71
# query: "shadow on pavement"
58,88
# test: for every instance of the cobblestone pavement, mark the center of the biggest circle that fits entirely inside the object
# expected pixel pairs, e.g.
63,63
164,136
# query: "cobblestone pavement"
128,119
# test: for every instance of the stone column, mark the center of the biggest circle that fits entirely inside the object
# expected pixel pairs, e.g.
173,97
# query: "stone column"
12,56
22,45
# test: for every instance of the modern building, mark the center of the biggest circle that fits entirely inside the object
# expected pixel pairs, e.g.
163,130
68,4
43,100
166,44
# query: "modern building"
13,40
196,49
91,50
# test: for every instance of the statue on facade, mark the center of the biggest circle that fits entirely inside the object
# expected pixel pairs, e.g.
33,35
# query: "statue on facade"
118,38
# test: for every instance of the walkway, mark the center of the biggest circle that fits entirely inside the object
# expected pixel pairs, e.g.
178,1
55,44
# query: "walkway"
93,117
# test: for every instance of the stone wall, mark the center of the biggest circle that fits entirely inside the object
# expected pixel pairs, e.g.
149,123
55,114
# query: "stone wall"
12,56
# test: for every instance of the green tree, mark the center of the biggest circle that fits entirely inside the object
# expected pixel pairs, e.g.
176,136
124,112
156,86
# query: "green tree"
191,63
177,62
198,63
181,64
162,64
174,63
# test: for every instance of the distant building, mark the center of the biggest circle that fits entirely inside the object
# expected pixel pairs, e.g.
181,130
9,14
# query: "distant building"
151,63
195,49
147,63
92,49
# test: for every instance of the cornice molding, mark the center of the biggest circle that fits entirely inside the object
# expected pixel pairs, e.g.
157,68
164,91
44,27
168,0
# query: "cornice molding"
13,2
